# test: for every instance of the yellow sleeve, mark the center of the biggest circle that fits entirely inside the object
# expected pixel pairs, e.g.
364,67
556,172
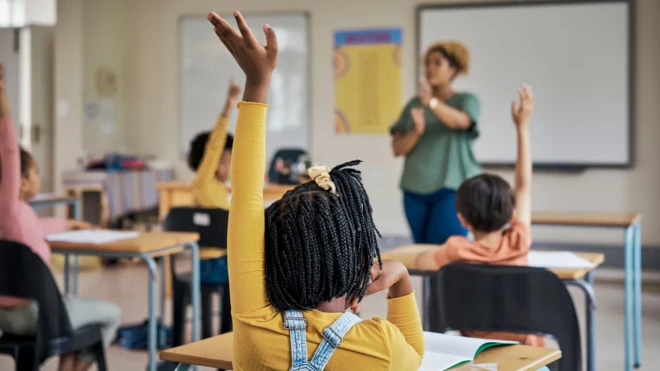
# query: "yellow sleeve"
246,219
406,337
205,189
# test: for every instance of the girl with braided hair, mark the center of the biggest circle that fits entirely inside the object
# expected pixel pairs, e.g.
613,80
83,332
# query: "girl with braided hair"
299,270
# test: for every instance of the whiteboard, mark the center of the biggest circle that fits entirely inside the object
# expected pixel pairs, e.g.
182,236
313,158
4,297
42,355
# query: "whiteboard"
206,68
575,55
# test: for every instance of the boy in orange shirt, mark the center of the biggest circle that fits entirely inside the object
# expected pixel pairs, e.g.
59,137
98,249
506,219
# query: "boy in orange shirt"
498,217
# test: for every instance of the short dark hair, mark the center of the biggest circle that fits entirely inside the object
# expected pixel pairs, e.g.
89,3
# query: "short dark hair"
320,246
198,147
486,202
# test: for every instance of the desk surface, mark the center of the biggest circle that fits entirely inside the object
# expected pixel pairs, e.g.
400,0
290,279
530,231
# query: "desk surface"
408,255
585,219
144,243
216,352
51,197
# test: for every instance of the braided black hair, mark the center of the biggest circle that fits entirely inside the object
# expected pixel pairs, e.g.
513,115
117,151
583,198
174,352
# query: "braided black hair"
320,246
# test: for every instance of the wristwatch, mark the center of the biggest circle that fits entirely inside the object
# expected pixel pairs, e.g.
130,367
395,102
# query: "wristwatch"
434,102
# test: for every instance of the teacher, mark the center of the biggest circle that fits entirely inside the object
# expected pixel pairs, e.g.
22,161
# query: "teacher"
435,133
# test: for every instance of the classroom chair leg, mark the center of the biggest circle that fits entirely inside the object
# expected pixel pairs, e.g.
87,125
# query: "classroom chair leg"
207,315
225,311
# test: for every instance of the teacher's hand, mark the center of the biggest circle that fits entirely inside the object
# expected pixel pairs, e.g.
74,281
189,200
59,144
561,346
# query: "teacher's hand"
417,115
425,93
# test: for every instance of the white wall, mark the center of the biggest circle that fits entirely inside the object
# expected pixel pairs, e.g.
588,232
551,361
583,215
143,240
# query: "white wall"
151,104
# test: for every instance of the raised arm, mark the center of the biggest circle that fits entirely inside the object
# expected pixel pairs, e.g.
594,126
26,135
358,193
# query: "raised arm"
246,219
522,115
10,161
205,177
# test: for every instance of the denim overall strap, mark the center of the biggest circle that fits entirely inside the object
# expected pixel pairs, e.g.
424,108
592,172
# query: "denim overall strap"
332,337
296,324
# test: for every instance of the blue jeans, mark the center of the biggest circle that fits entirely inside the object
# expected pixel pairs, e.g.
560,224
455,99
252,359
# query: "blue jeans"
432,218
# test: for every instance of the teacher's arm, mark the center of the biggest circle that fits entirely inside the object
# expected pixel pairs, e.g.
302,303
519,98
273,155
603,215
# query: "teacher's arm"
463,117
402,144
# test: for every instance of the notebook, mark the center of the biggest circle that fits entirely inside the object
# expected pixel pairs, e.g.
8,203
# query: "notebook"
95,237
447,351
557,259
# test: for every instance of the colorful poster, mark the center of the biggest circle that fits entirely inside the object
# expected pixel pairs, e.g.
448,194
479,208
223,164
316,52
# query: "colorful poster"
367,67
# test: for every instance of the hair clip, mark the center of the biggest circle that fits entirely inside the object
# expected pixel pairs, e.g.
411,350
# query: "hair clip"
321,175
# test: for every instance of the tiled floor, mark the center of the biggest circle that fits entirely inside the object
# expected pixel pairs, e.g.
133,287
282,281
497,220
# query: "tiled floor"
127,286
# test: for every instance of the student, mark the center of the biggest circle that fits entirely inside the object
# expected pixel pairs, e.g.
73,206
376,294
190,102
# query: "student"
298,271
210,157
19,182
498,217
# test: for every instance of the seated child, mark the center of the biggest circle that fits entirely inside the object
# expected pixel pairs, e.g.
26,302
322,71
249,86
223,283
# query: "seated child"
19,182
298,271
498,217
210,157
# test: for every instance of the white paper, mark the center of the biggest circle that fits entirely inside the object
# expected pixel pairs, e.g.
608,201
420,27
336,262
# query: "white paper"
444,351
557,259
96,237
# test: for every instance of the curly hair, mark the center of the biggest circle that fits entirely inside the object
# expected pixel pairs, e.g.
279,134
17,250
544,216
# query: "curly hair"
198,148
455,52
320,246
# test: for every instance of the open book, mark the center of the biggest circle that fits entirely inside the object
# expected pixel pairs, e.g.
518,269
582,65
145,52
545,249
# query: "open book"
446,351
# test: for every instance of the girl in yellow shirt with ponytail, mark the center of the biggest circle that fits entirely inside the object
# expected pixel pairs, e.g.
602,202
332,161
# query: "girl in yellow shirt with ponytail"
299,270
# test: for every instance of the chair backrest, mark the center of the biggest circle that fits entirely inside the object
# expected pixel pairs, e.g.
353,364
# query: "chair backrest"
24,275
515,299
286,154
210,224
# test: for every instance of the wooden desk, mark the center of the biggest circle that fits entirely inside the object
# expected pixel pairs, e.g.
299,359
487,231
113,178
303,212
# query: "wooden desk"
631,224
147,246
408,255
216,352
172,194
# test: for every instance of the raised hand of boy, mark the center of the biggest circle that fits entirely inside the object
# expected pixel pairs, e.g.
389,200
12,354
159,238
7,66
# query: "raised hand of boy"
522,114
257,61
522,111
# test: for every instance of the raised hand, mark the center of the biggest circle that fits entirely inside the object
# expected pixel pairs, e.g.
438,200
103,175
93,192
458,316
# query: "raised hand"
417,115
257,61
521,112
233,92
4,105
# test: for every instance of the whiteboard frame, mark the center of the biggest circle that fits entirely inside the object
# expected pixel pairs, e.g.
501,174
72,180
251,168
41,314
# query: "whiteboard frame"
632,59
183,152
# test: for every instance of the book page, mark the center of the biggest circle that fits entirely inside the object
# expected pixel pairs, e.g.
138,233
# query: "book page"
439,361
557,259
461,346
97,236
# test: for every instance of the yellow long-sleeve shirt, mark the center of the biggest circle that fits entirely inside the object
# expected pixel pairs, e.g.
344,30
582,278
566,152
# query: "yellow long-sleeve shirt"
207,191
260,340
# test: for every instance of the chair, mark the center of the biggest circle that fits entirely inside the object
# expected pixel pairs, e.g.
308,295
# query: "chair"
211,225
509,299
286,154
24,275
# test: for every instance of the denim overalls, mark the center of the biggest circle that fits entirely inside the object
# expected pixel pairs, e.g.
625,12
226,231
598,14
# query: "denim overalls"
332,337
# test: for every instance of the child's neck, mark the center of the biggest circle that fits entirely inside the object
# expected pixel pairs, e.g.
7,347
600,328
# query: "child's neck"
336,305
488,239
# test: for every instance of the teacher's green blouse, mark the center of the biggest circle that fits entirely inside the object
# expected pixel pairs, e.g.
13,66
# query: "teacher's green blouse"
443,157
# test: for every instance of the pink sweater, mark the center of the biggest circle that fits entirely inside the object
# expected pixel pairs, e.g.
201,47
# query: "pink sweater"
18,221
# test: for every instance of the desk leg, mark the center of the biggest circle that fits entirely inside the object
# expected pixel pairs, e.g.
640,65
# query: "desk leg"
152,334
587,287
426,303
182,367
66,273
628,294
162,290
637,293
195,287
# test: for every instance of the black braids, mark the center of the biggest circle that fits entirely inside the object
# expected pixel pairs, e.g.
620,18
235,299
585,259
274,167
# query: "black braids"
320,246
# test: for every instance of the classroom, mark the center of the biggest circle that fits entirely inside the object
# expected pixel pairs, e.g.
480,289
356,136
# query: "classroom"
500,214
